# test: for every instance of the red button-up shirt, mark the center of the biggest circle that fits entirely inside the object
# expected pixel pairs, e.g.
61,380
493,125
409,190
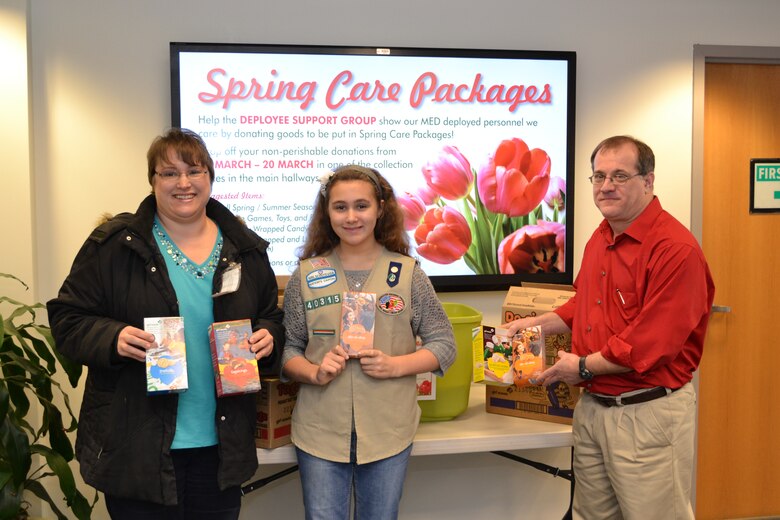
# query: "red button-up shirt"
643,300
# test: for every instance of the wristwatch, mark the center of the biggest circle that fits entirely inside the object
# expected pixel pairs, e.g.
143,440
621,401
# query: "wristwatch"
585,374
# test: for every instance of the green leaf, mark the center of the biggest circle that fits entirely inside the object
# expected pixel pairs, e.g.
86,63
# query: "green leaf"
5,400
58,438
471,261
5,477
42,350
28,362
76,501
6,275
60,468
15,379
486,222
36,488
498,236
16,450
10,501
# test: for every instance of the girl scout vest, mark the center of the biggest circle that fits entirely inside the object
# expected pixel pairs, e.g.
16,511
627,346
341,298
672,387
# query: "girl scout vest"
385,411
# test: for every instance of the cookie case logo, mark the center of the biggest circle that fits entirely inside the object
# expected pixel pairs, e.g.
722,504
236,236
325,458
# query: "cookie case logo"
321,278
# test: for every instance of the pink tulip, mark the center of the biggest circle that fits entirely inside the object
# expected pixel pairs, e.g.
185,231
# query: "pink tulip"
533,248
556,193
413,209
443,236
515,179
428,196
449,174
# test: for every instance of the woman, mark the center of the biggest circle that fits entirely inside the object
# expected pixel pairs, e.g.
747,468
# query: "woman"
356,417
180,254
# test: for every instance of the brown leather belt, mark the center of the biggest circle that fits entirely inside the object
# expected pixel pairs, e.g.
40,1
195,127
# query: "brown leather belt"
641,397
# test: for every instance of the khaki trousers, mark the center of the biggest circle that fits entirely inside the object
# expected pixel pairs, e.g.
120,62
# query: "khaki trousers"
634,462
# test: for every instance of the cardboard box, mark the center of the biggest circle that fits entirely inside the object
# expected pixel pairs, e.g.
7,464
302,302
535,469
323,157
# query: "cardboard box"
275,404
556,402
235,366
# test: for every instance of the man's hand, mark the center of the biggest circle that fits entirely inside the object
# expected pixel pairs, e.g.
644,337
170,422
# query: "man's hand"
517,325
566,369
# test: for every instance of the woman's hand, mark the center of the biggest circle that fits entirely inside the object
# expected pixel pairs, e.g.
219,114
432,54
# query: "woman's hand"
377,364
333,364
133,343
261,342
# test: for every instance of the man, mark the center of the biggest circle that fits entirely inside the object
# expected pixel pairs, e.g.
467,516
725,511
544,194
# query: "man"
638,319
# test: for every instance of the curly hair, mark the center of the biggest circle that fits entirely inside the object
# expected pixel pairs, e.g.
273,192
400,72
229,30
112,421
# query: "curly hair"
187,145
389,230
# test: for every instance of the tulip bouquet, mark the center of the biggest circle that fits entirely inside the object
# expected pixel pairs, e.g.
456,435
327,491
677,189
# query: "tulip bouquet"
506,218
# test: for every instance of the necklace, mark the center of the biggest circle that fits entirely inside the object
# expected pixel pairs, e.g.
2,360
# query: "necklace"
356,279
180,259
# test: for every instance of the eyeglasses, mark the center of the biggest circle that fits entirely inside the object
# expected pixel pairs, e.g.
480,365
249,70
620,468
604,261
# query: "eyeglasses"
173,175
597,179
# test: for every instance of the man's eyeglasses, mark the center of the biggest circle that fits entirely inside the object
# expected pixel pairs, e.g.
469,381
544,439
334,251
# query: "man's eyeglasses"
173,175
597,179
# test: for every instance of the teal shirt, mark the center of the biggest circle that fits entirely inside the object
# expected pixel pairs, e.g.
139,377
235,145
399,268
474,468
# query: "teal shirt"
195,419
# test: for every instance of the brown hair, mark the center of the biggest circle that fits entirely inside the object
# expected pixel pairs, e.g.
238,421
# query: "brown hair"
187,145
389,230
645,158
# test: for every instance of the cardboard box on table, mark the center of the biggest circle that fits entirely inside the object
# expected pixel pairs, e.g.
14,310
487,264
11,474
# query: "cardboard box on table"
275,404
554,403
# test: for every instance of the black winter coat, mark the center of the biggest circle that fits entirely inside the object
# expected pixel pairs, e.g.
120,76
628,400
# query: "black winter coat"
119,277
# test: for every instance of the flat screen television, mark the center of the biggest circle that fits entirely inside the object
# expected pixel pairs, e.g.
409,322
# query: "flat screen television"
477,144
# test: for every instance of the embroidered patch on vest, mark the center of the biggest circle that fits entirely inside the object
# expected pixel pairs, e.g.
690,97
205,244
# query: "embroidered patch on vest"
393,274
391,304
323,332
319,262
322,301
321,278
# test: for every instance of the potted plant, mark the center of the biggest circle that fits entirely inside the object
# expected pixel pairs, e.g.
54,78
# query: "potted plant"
29,362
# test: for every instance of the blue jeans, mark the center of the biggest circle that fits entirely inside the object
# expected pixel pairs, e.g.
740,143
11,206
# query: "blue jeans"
199,496
328,486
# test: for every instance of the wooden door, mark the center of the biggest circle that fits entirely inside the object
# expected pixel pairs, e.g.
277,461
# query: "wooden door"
739,377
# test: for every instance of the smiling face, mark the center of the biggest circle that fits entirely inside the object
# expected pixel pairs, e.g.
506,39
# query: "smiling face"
353,210
181,199
621,204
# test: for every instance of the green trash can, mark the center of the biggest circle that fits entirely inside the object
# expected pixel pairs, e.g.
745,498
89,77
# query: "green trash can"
452,390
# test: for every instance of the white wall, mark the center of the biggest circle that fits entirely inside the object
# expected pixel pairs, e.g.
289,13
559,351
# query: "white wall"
16,209
100,93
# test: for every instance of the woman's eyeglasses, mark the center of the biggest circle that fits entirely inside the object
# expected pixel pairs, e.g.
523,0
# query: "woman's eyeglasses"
173,175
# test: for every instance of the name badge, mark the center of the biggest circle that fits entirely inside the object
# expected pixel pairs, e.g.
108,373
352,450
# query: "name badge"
231,279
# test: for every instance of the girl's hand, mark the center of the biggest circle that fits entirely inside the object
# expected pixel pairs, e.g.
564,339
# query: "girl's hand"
333,364
377,364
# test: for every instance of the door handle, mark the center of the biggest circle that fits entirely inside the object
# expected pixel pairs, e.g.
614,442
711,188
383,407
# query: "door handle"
721,308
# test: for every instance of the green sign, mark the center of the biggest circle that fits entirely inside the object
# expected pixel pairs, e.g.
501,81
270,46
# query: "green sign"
768,173
765,185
